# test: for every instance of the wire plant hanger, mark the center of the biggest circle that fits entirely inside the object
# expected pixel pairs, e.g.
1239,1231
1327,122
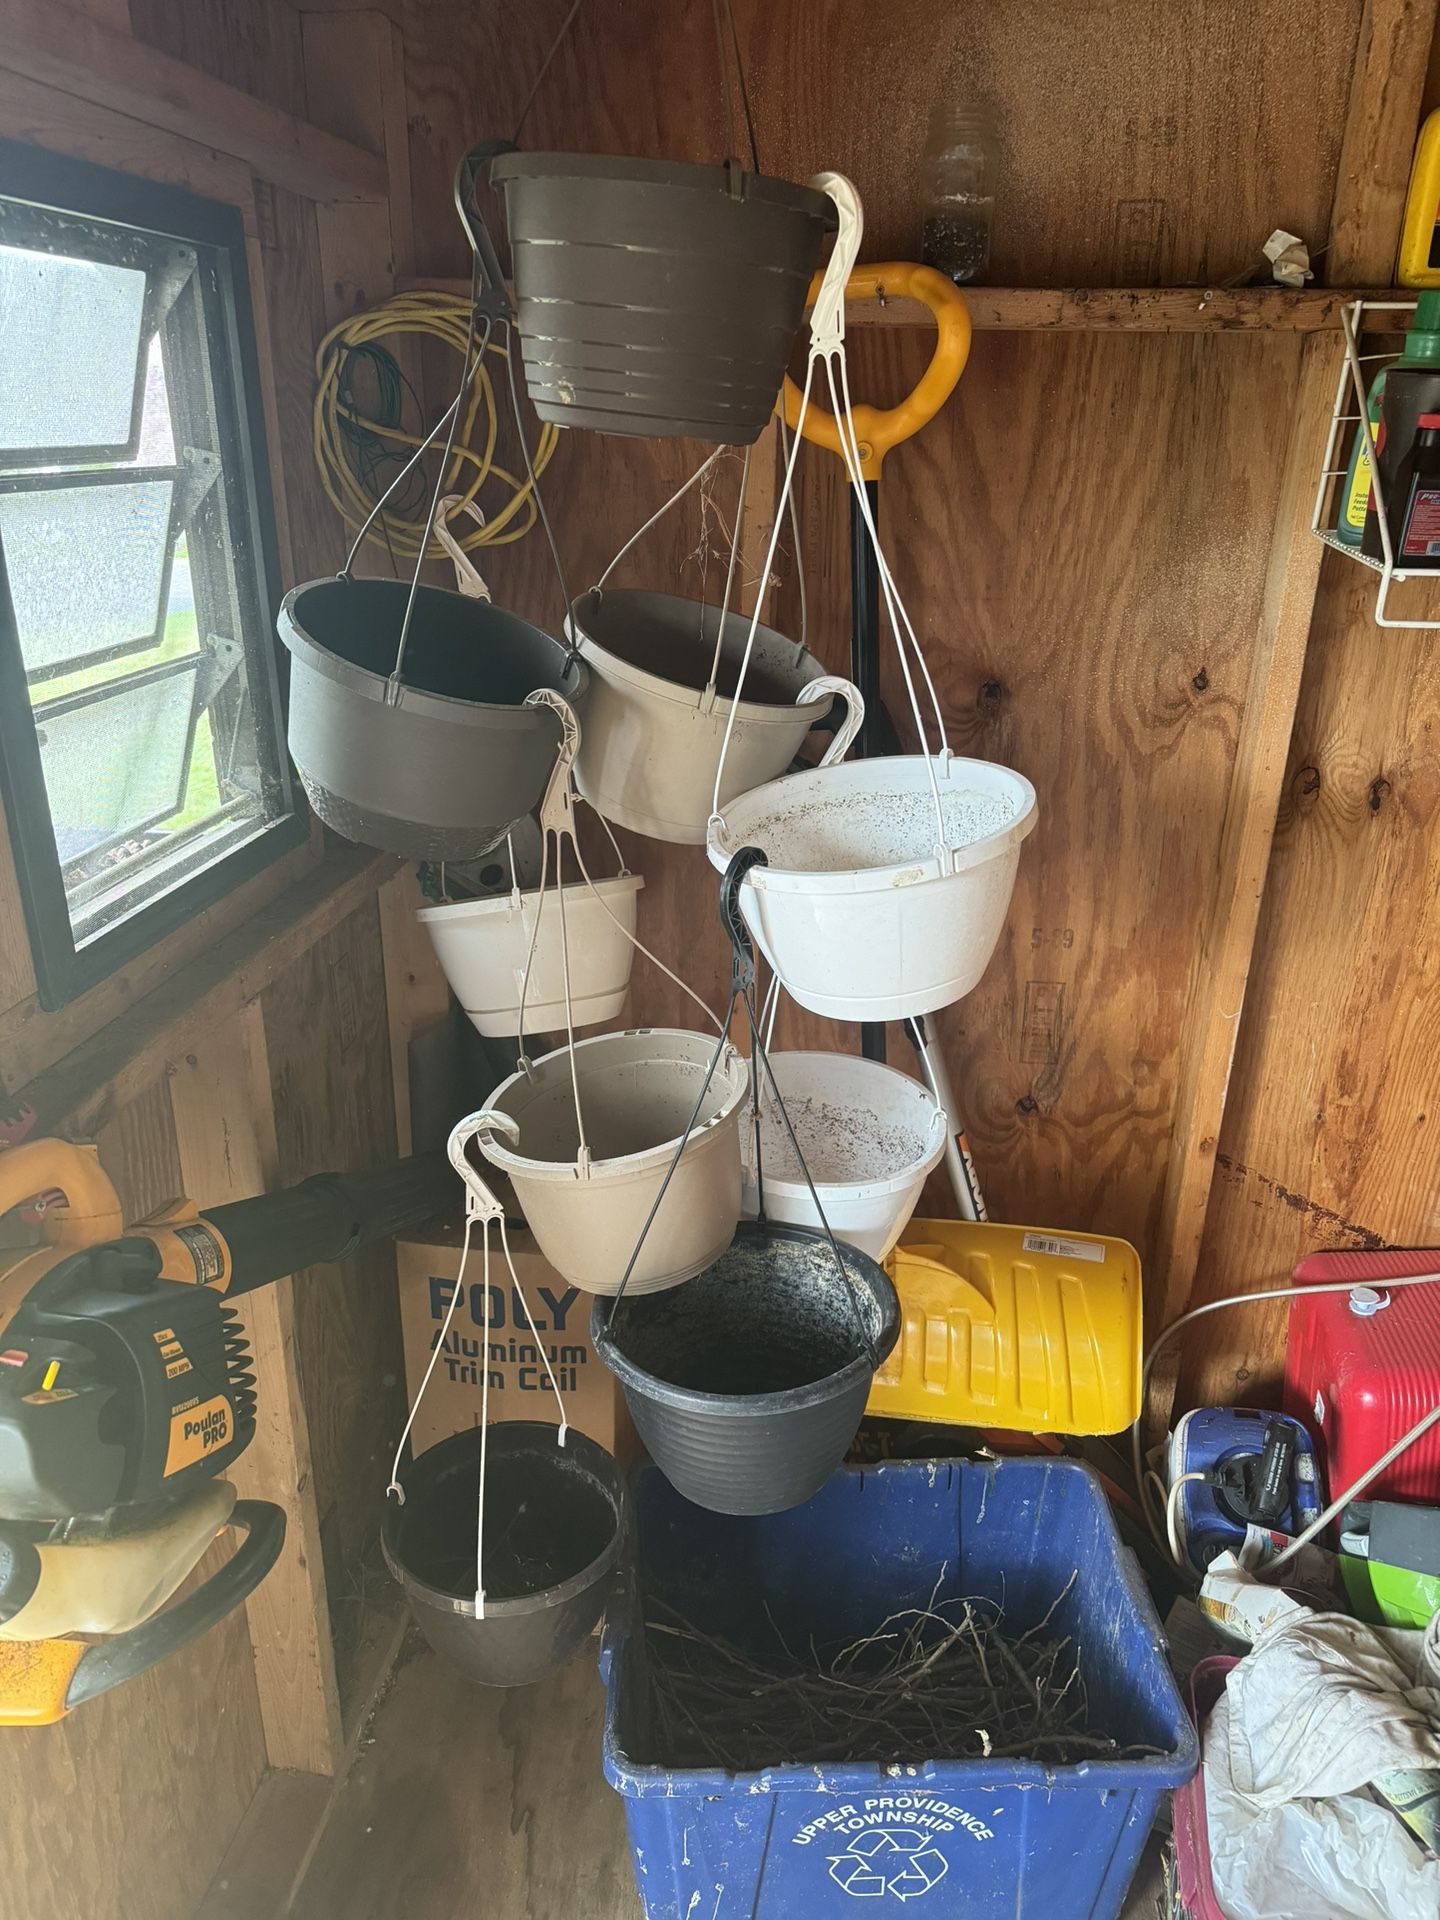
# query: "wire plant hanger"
742,993
482,1205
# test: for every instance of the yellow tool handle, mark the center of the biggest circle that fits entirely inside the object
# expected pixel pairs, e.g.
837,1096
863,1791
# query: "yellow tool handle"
92,1210
878,429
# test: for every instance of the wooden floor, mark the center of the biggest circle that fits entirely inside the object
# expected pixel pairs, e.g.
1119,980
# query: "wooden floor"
472,1805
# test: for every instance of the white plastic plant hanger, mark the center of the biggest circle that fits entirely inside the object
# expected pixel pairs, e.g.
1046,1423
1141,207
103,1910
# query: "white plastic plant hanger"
467,574
827,344
557,826
481,1205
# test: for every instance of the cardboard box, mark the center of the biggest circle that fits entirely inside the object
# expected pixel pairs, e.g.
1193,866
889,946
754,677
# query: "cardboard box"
519,1385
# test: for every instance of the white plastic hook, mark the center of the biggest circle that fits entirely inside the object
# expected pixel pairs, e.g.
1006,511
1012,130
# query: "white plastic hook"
827,318
480,1202
829,684
467,576
557,808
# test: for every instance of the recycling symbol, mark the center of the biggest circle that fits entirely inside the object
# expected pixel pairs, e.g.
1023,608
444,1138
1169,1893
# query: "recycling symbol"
889,1861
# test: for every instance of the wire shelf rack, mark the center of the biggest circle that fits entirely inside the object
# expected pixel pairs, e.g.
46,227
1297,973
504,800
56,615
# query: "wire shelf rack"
1350,411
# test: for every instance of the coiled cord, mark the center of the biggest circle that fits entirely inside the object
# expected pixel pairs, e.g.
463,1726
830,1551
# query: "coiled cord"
353,448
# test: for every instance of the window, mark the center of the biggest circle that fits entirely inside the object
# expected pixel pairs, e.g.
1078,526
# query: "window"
141,733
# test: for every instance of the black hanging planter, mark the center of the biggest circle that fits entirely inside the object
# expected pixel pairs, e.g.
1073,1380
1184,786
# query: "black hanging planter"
657,297
554,1527
748,1383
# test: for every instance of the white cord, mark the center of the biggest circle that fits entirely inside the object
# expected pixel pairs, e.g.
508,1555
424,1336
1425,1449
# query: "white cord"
785,487
1177,1552
435,1352
1163,1339
1319,1524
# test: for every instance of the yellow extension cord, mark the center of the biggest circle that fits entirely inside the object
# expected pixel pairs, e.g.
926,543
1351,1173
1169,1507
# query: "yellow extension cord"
436,316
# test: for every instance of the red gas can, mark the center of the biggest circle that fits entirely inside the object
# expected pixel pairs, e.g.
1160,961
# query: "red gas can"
1362,1367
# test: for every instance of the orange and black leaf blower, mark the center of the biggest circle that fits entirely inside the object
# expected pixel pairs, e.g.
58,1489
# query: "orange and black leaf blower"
126,1390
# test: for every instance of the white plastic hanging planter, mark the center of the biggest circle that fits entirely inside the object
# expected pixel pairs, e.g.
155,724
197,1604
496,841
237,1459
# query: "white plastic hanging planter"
587,1196
859,911
870,1137
510,963
482,945
885,883
663,705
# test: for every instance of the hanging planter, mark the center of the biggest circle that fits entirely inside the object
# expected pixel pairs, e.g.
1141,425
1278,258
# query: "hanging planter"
663,676
504,1537
864,910
868,1137
434,759
483,948
884,884
516,969
748,1384
553,1528
656,297
586,1194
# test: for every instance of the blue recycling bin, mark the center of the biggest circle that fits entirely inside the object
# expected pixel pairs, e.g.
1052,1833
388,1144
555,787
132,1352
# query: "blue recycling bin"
949,1839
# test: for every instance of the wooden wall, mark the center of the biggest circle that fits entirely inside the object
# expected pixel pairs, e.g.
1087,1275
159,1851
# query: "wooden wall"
252,1048
1104,541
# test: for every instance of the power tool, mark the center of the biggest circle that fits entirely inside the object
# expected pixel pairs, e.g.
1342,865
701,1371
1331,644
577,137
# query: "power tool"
1259,1470
126,1391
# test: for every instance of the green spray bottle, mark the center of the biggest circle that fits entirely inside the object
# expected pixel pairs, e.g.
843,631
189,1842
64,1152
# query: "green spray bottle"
1412,387
1355,496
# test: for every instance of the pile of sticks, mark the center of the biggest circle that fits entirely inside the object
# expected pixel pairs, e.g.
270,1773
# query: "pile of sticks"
942,1681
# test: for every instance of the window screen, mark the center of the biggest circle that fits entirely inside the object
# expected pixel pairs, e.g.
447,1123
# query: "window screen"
139,705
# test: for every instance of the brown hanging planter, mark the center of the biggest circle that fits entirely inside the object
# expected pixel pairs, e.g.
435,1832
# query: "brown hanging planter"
657,297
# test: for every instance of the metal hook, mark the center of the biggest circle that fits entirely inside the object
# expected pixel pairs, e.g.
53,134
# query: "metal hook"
742,952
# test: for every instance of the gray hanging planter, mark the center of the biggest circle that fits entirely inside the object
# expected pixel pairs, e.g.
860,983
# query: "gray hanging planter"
440,765
658,297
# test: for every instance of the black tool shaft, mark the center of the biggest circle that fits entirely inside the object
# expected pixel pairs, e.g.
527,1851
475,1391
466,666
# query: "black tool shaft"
328,1216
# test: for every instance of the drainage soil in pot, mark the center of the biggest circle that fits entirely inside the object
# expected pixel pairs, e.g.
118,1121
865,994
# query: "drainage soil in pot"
545,1521
750,1324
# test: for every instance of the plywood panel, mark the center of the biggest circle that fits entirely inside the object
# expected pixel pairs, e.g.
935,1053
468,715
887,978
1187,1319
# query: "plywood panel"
1145,141
329,1047
1329,1133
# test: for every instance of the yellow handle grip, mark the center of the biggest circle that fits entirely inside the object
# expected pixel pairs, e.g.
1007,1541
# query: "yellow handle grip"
878,429
92,1211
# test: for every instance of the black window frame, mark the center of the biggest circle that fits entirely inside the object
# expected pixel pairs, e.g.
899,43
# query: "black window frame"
63,971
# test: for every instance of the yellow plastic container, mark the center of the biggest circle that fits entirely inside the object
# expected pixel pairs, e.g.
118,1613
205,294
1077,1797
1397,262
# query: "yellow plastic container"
1420,237
1013,1327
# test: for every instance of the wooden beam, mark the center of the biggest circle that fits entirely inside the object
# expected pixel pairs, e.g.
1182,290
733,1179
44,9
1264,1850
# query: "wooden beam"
225,1131
1380,124
49,41
1222,966
757,516
264,1864
112,1066
1098,309
417,996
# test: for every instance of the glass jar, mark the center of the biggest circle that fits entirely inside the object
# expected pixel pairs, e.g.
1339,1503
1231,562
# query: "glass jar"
958,172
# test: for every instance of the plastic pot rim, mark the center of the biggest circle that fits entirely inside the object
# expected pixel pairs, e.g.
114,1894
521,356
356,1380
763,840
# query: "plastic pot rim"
369,685
492,905
896,876
759,1405
759,713
622,1166
844,1191
689,174
616,1489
